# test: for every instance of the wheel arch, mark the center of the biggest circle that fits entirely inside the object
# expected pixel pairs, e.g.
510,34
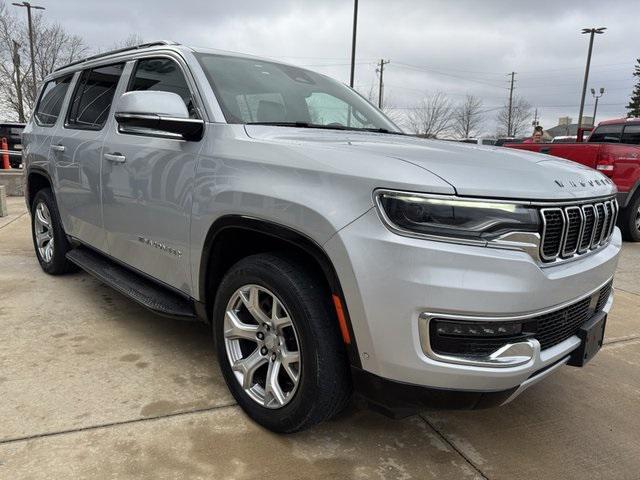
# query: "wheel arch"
225,244
36,180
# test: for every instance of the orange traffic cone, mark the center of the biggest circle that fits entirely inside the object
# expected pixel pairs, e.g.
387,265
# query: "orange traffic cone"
4,147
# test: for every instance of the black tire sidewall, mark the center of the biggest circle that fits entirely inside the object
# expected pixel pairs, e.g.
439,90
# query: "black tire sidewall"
314,342
629,229
58,264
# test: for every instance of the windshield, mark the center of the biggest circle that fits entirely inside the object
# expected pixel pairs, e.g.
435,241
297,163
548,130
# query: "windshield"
262,92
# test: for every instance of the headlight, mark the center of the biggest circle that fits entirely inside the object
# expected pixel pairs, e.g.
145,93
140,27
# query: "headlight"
454,217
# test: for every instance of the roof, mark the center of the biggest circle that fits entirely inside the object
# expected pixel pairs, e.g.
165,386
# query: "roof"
563,130
616,121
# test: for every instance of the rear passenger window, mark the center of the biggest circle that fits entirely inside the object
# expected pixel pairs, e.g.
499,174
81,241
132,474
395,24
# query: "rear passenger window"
631,134
93,96
51,99
606,134
163,75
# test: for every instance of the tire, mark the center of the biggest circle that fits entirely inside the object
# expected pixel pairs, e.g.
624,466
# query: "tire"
324,385
630,220
52,251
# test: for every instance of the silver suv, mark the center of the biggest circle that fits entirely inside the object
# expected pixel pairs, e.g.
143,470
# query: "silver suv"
329,252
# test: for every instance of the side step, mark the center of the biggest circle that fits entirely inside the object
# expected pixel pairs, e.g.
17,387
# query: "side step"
156,298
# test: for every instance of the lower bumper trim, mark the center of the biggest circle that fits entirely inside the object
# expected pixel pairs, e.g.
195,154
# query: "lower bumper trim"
398,400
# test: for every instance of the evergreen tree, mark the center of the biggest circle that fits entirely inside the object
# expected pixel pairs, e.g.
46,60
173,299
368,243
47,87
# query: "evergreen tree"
634,103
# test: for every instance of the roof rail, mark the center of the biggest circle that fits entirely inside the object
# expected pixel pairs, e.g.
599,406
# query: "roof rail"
118,50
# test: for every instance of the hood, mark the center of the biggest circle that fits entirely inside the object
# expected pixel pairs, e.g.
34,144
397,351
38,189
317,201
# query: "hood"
472,170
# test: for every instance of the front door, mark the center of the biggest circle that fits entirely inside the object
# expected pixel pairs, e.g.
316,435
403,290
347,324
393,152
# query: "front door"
147,183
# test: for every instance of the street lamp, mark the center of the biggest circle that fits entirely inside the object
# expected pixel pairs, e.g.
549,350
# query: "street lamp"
28,6
595,108
353,42
591,32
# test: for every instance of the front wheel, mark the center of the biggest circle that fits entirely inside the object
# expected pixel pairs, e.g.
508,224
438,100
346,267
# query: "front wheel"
630,219
278,344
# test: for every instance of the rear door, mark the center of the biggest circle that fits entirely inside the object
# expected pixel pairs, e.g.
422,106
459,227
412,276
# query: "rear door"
77,152
147,183
46,120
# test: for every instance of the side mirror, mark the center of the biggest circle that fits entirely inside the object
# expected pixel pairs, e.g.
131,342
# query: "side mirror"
158,111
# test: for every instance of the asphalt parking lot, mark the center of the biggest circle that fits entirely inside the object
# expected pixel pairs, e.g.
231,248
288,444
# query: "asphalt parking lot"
94,386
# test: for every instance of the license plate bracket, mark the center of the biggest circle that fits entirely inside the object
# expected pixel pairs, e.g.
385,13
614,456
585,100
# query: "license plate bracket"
591,335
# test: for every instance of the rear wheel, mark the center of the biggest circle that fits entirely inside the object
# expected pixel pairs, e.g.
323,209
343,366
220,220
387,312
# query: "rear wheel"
630,219
278,344
49,240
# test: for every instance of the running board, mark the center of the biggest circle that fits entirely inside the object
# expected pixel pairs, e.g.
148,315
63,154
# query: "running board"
147,293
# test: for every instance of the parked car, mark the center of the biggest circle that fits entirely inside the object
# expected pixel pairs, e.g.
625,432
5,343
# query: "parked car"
328,251
480,141
12,132
613,148
565,139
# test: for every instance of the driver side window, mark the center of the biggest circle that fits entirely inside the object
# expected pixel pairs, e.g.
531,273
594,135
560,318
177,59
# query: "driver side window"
163,75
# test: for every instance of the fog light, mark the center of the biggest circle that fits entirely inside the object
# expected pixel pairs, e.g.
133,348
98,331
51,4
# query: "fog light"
476,329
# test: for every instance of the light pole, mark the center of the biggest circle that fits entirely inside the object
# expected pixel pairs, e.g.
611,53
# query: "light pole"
595,108
353,42
28,6
592,32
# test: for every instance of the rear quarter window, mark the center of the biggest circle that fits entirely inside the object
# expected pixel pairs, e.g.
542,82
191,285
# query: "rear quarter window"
51,99
631,135
606,134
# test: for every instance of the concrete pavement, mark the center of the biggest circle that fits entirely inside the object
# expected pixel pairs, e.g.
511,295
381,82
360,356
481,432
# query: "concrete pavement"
94,386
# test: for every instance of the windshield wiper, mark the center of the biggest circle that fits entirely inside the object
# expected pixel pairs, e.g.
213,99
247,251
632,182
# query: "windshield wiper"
326,127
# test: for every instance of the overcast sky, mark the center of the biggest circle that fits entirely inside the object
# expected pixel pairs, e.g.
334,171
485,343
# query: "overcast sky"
453,46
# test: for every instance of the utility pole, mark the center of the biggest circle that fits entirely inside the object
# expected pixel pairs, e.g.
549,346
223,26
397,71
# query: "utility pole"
592,32
16,67
353,42
510,114
381,84
535,119
28,6
597,97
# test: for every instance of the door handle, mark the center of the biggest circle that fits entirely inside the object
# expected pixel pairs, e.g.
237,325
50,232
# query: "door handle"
57,148
115,157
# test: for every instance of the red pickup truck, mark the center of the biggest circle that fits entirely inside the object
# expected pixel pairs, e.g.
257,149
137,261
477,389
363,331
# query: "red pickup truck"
613,148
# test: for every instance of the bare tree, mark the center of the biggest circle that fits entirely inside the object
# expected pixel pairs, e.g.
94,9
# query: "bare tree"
131,41
432,116
53,47
520,115
468,117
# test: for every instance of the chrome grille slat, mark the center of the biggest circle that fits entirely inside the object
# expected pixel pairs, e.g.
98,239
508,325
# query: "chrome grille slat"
573,230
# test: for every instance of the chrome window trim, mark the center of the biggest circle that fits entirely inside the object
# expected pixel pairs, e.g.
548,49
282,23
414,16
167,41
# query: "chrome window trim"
424,320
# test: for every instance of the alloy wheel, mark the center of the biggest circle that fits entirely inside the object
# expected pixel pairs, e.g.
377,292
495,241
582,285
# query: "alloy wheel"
262,346
44,232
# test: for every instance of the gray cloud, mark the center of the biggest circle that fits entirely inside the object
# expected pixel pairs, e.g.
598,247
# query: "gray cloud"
457,47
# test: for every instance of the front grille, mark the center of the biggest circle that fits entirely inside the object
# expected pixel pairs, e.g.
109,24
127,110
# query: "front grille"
549,329
575,230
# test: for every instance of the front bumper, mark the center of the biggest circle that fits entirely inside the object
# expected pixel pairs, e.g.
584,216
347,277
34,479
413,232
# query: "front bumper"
390,281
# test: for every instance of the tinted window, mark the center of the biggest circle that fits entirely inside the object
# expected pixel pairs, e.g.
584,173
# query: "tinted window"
631,134
164,75
51,100
93,96
606,134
